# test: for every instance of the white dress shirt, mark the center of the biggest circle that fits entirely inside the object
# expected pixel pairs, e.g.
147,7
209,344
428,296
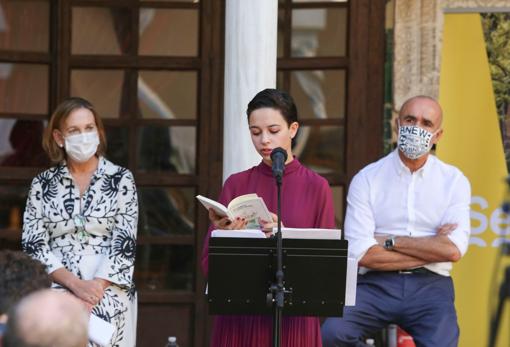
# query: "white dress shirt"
385,198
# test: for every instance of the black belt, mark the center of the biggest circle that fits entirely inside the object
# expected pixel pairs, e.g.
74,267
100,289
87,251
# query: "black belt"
415,271
418,270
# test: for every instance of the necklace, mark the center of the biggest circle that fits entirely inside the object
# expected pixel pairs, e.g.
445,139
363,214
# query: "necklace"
80,221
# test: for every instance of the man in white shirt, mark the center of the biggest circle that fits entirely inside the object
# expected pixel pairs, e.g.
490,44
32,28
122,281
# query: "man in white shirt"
407,220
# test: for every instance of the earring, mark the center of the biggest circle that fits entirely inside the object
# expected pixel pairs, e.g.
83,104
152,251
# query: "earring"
61,145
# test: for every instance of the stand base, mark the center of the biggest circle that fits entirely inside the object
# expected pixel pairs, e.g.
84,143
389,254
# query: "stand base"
504,294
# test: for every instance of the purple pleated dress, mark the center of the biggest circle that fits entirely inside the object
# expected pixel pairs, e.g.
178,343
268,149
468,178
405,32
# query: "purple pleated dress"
306,203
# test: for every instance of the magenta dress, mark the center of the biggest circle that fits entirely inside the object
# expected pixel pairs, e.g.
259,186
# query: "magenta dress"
307,202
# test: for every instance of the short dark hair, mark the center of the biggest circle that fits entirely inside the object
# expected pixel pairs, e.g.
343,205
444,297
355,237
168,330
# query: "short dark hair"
20,275
276,99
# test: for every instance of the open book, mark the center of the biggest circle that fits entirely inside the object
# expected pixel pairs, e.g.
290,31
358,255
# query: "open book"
249,206
287,233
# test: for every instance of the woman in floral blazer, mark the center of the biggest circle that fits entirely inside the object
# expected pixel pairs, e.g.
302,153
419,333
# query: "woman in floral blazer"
81,219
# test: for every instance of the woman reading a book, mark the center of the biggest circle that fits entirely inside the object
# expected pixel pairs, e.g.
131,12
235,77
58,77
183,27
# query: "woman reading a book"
307,203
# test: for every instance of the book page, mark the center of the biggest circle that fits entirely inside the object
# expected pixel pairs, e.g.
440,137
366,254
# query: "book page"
242,198
100,331
310,233
216,206
351,282
245,233
253,211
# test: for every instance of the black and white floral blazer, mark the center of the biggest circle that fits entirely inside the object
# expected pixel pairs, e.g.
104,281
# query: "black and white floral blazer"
110,210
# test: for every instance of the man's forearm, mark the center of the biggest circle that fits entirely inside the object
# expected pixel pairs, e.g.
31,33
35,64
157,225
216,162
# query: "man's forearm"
431,249
378,258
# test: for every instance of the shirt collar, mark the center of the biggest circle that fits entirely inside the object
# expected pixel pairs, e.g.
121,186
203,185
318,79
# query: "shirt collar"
289,168
401,168
104,167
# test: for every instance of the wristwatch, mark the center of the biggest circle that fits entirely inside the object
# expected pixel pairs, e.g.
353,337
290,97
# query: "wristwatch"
389,243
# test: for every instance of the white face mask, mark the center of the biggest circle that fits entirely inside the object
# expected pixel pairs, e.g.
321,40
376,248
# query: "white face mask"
413,141
81,147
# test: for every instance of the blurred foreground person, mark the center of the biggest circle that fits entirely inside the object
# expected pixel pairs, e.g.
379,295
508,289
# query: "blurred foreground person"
47,319
20,275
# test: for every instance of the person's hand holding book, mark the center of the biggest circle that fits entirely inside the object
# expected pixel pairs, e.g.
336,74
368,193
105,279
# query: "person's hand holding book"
224,222
267,226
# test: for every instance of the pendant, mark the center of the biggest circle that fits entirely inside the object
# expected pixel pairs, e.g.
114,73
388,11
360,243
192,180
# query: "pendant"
79,222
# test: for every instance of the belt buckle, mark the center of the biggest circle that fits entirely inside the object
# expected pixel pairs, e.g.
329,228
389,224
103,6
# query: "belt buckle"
405,272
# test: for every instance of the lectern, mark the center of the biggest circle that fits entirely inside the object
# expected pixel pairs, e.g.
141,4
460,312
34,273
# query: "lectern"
241,271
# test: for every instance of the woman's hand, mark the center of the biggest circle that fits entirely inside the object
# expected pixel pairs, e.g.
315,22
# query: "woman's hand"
267,226
87,305
104,283
222,222
90,291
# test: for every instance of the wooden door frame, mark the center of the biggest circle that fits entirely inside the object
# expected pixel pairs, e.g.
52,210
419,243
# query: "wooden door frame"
365,93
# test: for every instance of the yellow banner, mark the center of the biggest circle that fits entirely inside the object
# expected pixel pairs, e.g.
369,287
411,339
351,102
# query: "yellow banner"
472,142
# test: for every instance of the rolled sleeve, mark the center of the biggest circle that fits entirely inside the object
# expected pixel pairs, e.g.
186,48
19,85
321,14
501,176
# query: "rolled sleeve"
459,213
359,219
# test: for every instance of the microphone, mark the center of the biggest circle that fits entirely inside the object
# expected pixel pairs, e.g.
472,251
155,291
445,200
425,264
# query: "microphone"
278,157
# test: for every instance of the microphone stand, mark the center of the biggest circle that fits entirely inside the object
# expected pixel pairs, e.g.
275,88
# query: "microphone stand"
276,293
503,295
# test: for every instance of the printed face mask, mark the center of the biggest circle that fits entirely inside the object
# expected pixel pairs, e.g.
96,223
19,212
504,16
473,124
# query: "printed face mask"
81,147
414,141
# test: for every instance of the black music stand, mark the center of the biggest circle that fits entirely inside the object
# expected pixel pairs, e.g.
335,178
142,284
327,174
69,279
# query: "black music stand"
241,271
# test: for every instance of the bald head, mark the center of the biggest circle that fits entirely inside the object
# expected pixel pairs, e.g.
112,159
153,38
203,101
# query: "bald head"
47,319
425,108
